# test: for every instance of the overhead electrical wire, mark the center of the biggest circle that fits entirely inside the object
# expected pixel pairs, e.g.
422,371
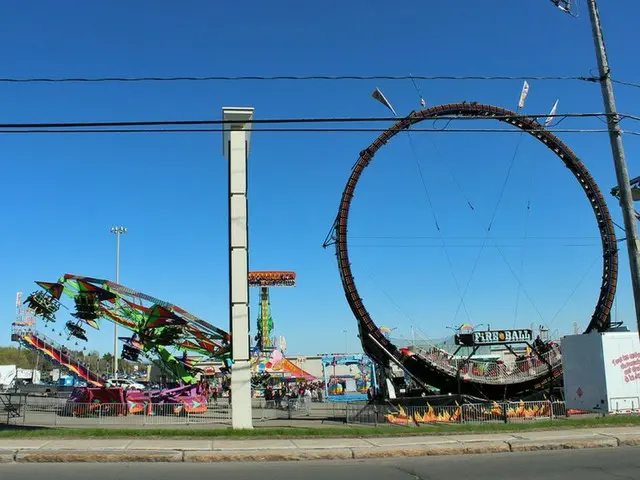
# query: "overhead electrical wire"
267,78
296,130
474,245
303,120
466,237
628,84
296,78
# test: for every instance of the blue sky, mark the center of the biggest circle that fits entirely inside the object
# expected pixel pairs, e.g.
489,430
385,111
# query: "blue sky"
63,192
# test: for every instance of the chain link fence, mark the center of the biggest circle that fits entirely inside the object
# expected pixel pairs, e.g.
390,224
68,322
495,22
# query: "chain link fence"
489,412
299,408
42,411
46,411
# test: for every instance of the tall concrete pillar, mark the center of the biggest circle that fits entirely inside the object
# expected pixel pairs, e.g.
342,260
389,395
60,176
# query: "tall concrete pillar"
236,141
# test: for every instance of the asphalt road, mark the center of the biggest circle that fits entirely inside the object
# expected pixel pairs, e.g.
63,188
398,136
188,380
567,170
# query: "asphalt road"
600,464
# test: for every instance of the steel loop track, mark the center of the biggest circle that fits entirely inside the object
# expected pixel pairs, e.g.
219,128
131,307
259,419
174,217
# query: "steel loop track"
374,342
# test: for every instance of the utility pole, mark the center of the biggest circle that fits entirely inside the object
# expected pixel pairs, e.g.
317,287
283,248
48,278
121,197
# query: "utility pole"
117,231
619,160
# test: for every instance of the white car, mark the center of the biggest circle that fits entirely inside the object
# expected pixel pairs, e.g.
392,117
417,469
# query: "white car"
125,384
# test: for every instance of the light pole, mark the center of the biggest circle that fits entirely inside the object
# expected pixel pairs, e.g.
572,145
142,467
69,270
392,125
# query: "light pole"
117,231
345,341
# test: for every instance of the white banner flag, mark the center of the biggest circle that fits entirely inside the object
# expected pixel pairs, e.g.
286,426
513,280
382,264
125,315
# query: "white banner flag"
551,114
378,95
523,94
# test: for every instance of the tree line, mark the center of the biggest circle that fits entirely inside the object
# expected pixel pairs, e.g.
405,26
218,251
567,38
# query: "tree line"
101,364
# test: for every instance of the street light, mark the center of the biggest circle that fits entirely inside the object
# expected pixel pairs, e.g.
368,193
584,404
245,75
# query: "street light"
345,341
117,231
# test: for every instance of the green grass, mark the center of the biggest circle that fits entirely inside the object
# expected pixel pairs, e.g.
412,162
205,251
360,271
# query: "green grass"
309,432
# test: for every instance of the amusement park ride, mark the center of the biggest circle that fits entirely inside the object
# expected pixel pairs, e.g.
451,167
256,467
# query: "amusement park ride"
264,281
430,366
160,331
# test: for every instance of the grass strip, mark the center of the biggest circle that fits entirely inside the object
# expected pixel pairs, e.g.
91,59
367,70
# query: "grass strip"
345,431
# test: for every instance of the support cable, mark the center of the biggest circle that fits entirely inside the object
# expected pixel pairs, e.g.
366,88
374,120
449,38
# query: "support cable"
526,232
493,216
442,242
575,289
446,251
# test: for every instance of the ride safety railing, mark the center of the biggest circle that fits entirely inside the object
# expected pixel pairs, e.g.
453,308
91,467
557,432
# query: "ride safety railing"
488,372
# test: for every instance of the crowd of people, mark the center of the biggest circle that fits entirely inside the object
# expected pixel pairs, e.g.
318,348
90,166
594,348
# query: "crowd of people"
283,395
293,395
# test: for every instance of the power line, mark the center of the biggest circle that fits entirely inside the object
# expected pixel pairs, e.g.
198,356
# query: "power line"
467,237
495,245
150,123
264,78
628,84
296,130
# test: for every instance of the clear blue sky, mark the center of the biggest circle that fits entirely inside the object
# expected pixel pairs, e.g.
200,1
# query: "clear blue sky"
63,192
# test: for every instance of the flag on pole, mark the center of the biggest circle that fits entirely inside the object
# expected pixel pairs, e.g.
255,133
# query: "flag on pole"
550,118
377,94
523,94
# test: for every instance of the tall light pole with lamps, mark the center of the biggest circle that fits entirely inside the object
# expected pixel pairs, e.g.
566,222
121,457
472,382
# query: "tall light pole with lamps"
117,231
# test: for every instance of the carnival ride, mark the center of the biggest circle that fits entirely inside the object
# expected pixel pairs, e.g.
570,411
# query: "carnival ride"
336,386
187,399
432,366
159,329
23,331
266,280
162,332
268,358
277,364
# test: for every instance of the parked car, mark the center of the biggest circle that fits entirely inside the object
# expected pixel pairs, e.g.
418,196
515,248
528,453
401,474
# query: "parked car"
124,383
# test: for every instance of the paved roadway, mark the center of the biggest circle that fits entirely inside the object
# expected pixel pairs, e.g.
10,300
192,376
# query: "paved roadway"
594,464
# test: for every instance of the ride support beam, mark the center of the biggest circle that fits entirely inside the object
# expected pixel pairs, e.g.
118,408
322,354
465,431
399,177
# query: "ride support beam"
236,140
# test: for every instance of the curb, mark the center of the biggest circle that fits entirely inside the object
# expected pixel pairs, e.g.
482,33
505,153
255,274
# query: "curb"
573,444
75,456
276,455
283,455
